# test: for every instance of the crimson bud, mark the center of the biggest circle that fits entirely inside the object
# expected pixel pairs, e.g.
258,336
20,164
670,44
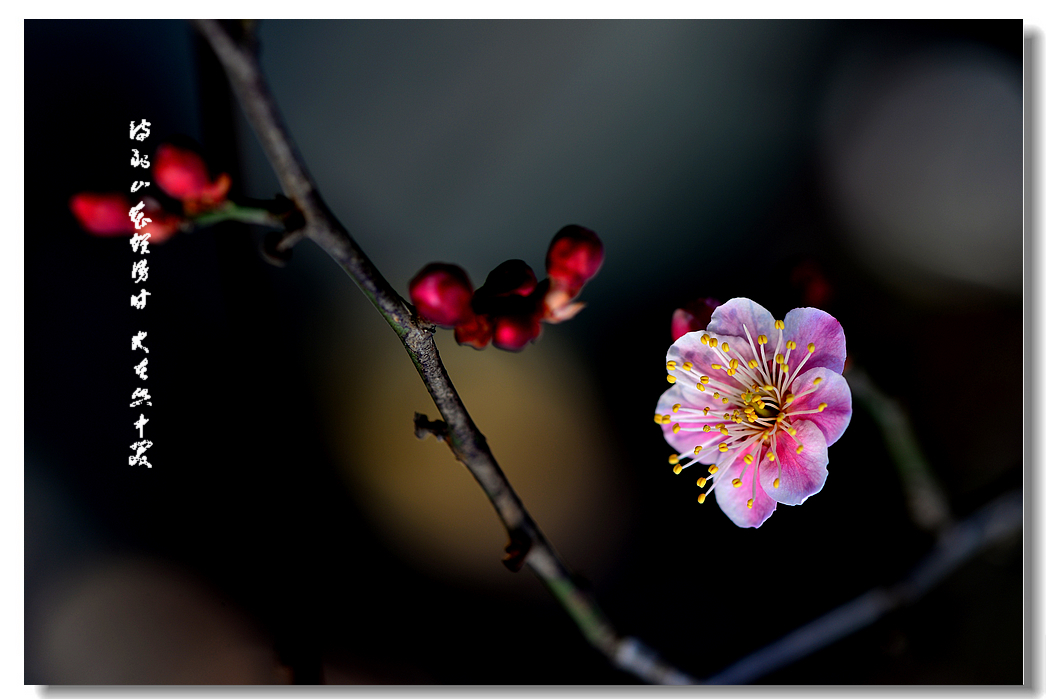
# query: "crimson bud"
442,293
574,257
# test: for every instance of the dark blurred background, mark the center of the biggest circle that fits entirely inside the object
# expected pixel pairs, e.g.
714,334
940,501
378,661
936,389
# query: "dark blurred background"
292,528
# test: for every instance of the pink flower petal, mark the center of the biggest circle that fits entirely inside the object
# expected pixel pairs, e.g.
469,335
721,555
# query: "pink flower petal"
801,474
736,314
806,325
734,501
832,390
690,432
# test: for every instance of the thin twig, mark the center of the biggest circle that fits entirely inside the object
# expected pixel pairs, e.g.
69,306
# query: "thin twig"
957,544
927,503
527,543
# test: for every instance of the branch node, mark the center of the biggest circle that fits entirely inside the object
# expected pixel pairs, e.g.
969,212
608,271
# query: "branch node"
277,245
423,427
517,549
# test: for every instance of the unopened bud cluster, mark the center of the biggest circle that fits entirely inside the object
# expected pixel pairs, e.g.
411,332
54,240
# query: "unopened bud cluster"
511,305
180,173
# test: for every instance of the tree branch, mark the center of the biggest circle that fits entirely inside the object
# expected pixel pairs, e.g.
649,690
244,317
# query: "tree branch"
956,545
527,544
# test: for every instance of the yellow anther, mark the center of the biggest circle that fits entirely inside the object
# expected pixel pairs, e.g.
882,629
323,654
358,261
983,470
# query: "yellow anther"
750,501
770,455
789,397
670,378
713,469
701,499
706,409
704,379
677,469
733,363
666,418
777,482
676,428
762,340
726,347
791,431
707,428
701,482
712,342
751,418
784,368
673,459
779,359
749,409
799,449
749,459
790,344
700,386
818,380
768,387
821,407
657,419
725,401
687,366
731,372
697,450
752,364
779,324
736,482
725,434
716,395
676,407
723,447
810,348
671,365
704,339
717,367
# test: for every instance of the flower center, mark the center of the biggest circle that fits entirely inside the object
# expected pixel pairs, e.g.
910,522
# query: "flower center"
757,404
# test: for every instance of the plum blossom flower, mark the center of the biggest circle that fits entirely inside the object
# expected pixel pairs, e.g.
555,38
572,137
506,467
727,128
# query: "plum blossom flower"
757,401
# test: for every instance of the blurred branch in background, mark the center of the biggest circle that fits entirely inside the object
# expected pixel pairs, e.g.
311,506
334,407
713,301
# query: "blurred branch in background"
527,543
956,545
927,504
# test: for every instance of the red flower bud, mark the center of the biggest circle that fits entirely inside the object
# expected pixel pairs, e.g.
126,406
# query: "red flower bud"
182,174
817,290
102,214
511,278
442,294
110,215
513,332
574,257
694,316
163,225
476,332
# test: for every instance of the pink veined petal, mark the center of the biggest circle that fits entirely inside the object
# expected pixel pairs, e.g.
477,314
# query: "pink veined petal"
690,433
734,501
801,475
736,314
832,390
806,325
